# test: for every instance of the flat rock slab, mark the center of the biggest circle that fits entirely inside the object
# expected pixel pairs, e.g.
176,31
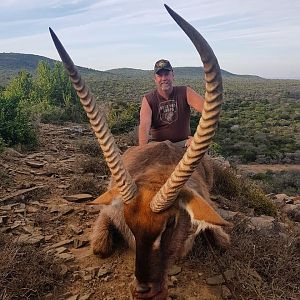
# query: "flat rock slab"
262,222
13,153
227,214
61,243
219,279
75,229
25,195
78,197
174,270
65,256
78,243
30,239
35,164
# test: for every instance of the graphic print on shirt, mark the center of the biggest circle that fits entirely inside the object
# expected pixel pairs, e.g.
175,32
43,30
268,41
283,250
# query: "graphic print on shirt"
168,111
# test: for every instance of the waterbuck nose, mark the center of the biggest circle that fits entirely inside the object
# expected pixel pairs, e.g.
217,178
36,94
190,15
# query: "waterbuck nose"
142,288
149,290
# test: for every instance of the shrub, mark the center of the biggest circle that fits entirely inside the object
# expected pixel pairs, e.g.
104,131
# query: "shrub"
15,123
215,149
287,182
90,147
88,185
241,192
94,165
54,114
123,116
2,145
49,97
54,87
4,178
248,155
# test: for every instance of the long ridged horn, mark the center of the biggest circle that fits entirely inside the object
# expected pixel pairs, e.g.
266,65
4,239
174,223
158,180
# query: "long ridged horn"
207,124
97,119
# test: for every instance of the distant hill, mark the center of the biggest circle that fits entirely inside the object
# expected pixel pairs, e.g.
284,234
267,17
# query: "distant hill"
12,63
130,72
189,72
17,61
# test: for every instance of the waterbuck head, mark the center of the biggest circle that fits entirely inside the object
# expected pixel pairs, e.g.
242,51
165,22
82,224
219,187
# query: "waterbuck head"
161,203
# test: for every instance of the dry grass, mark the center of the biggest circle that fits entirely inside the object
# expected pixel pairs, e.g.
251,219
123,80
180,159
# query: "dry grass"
5,178
93,165
42,219
264,267
127,139
123,141
241,193
85,184
26,272
90,147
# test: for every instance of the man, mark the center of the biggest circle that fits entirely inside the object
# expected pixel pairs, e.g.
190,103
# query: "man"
165,112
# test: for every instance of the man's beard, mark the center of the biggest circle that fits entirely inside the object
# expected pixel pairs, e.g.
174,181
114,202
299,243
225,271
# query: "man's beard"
165,86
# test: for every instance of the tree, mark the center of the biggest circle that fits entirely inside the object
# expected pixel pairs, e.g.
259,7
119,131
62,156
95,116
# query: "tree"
15,122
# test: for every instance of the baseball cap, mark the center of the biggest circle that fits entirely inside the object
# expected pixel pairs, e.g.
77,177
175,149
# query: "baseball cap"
162,64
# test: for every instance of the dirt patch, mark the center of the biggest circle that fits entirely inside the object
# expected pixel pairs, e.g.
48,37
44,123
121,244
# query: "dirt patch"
262,168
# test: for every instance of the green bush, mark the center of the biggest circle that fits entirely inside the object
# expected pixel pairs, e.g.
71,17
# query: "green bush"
48,97
214,149
241,192
248,156
52,86
2,144
123,116
15,123
287,182
53,114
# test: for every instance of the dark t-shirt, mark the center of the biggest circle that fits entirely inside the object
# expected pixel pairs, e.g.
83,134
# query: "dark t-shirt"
170,118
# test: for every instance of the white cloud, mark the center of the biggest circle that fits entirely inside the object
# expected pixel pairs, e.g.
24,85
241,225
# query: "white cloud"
132,30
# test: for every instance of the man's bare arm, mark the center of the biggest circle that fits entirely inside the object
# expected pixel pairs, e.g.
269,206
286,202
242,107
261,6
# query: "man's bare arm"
194,100
145,122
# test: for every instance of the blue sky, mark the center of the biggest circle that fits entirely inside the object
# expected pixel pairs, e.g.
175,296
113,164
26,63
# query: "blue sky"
258,37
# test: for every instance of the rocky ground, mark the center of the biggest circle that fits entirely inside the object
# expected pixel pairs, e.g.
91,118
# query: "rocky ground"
43,197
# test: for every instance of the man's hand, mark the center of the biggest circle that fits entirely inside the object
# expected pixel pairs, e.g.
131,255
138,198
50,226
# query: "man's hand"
188,141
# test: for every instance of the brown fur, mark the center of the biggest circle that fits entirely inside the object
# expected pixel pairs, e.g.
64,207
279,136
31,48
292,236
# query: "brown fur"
157,238
102,240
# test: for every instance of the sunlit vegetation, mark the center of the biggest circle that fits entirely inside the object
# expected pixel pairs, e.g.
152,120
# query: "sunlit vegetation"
259,120
287,182
241,193
26,100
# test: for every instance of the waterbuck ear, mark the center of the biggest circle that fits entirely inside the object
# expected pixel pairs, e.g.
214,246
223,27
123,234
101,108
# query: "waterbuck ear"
199,209
105,198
